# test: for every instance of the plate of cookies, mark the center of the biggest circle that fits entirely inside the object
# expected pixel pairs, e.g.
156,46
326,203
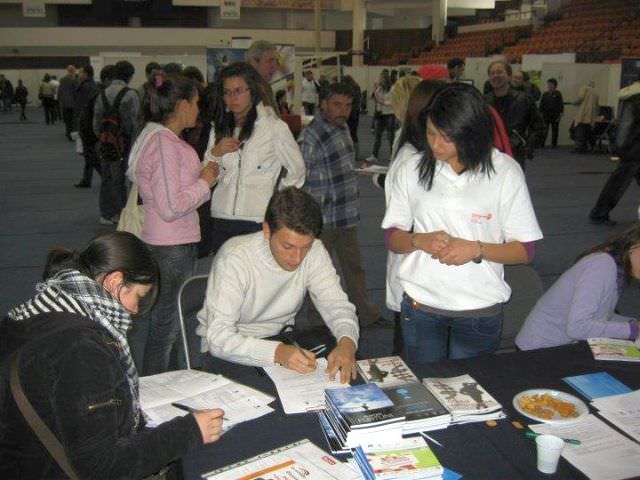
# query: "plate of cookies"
549,406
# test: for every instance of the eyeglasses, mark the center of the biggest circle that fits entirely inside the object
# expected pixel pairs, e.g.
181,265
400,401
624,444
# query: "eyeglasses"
235,92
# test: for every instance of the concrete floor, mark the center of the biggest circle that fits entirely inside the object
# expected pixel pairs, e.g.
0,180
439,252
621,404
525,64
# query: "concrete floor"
40,208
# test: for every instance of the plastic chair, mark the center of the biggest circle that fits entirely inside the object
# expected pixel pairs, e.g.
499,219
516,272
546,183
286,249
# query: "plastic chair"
526,289
190,300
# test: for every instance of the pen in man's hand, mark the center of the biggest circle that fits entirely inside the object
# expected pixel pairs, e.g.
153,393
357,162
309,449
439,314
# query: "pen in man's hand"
302,350
189,409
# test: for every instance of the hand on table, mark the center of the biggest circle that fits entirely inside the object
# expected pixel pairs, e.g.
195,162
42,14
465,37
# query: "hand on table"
295,358
343,358
210,423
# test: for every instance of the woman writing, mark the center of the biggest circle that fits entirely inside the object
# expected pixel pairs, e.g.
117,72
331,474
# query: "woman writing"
582,302
76,370
470,211
172,185
252,146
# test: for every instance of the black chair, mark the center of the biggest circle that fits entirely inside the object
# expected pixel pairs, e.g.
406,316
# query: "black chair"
190,300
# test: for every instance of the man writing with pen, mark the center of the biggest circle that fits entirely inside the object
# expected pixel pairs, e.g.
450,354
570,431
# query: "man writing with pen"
258,283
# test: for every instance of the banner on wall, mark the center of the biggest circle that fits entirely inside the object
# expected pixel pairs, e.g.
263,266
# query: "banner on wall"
34,8
630,71
230,9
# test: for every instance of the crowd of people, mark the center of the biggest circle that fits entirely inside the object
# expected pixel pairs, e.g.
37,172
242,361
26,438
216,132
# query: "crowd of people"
216,171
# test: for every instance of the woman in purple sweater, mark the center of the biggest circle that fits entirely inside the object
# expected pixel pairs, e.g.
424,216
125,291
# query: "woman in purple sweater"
172,185
581,304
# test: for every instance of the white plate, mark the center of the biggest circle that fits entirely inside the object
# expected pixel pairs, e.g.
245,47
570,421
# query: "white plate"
581,408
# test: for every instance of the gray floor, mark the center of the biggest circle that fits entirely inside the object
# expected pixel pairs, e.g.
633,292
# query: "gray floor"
40,208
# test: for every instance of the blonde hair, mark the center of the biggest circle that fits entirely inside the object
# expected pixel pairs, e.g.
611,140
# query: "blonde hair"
400,93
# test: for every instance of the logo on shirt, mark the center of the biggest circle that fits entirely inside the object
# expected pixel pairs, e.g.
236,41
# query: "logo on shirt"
480,218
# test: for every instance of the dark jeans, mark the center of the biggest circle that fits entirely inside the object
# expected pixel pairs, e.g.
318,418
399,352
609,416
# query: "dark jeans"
618,182
309,108
48,104
91,161
583,137
384,123
429,337
554,132
23,116
156,332
222,230
113,193
67,117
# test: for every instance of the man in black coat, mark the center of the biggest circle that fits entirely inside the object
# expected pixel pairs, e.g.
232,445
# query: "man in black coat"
628,148
518,111
85,97
551,109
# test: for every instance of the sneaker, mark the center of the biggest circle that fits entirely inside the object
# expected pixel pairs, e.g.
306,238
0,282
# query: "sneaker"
82,185
107,221
606,221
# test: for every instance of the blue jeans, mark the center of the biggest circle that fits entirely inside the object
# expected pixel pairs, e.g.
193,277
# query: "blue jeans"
155,333
429,337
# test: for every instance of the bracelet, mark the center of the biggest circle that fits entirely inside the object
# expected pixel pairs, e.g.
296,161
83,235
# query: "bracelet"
480,256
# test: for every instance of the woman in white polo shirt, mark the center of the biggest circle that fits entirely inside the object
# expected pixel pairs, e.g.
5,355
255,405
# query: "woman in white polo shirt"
471,213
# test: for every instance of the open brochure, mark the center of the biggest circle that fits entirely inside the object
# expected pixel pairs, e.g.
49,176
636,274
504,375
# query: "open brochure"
199,391
386,371
614,349
294,461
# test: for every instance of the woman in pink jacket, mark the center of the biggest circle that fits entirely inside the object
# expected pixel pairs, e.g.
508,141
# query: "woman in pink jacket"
172,185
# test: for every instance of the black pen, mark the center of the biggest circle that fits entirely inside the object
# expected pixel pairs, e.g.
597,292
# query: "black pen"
189,409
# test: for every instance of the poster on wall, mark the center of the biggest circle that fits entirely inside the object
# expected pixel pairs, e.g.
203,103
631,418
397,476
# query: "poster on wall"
230,9
630,71
34,8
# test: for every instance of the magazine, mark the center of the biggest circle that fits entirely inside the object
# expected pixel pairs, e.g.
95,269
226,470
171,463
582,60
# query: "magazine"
386,371
614,349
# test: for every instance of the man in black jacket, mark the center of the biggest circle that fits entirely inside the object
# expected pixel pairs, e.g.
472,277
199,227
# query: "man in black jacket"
85,98
518,111
551,108
628,147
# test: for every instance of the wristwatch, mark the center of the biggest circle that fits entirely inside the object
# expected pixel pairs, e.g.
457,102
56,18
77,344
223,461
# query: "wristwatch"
480,256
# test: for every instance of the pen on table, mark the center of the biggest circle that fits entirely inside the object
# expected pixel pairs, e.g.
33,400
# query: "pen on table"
432,439
189,409
571,441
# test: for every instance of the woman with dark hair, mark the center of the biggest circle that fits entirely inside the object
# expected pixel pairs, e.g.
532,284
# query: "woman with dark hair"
582,302
409,97
65,349
46,94
172,185
458,212
253,147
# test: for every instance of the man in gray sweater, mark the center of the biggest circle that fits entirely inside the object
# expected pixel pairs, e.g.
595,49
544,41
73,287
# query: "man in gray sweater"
258,283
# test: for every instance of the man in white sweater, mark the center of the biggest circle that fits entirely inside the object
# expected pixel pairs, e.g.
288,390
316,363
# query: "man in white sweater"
258,283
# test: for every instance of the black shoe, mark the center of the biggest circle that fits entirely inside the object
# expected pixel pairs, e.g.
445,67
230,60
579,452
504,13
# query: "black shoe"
82,185
606,221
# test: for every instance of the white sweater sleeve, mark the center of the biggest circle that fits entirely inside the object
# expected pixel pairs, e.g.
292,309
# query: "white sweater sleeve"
218,319
289,154
328,296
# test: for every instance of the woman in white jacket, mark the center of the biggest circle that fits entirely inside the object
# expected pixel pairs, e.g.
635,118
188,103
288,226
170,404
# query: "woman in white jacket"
255,150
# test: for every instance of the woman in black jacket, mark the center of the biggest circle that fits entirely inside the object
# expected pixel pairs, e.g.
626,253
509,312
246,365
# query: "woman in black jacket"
76,370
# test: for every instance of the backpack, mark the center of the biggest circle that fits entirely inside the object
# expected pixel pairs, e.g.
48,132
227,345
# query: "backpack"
111,139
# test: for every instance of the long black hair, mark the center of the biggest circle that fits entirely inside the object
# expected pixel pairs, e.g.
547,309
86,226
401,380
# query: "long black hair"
223,119
619,246
108,253
460,112
164,93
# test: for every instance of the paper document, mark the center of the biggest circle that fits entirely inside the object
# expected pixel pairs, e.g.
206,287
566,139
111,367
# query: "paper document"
623,411
604,454
200,391
300,460
301,392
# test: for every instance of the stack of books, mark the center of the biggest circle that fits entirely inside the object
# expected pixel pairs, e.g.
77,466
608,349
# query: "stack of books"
465,399
410,459
360,414
422,411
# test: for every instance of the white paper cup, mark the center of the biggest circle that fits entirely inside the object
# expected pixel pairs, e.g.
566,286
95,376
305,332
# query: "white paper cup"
549,449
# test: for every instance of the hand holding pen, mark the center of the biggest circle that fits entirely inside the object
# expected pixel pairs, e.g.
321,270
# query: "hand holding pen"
295,358
209,421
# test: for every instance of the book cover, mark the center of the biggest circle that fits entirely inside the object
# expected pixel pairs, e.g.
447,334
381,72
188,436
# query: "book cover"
361,405
410,458
596,385
415,402
614,349
462,395
386,371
